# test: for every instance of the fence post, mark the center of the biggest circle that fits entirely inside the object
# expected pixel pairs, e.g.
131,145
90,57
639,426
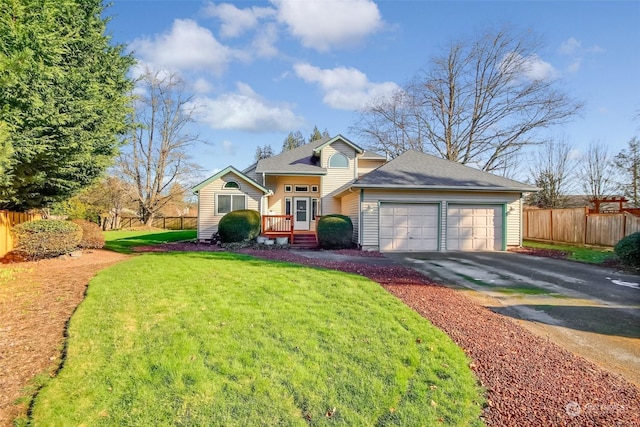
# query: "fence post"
181,223
551,225
586,224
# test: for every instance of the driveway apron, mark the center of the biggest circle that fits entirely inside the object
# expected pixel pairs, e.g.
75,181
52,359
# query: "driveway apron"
591,311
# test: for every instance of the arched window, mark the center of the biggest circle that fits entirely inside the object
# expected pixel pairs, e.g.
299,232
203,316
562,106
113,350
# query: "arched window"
231,184
338,160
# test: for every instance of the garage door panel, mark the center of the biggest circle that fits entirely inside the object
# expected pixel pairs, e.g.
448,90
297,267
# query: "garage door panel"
409,227
474,228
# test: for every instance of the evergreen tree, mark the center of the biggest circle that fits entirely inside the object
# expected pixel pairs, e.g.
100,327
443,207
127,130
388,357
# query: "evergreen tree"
63,99
627,163
316,135
293,140
263,152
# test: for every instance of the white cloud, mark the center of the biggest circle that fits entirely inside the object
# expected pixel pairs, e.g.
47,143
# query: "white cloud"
344,88
187,46
328,24
246,110
236,22
202,86
569,46
535,68
531,67
264,43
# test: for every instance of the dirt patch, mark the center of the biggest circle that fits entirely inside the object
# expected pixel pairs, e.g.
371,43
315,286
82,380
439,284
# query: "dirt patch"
36,301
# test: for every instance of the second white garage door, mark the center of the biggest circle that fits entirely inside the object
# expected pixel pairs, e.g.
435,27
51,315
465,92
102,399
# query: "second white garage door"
409,227
474,227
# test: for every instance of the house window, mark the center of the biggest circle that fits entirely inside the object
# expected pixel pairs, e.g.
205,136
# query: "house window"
314,209
338,160
302,188
314,188
231,184
230,202
287,206
288,188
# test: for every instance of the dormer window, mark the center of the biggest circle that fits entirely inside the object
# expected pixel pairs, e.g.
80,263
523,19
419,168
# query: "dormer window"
338,160
231,185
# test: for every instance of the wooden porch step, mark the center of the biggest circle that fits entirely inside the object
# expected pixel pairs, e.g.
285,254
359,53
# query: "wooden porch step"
304,241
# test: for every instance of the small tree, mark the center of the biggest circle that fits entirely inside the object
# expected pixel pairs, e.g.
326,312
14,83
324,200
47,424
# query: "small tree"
552,169
596,172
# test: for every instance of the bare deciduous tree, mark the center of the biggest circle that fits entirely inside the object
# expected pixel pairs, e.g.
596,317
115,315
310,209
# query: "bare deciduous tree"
156,157
479,103
552,169
627,164
596,172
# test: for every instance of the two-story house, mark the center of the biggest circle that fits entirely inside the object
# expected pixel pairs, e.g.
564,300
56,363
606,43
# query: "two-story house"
415,202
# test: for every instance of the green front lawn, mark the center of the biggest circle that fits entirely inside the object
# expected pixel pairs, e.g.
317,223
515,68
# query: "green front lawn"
230,340
589,255
123,241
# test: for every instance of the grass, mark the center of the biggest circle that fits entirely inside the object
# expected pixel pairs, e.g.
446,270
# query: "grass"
585,254
229,340
123,241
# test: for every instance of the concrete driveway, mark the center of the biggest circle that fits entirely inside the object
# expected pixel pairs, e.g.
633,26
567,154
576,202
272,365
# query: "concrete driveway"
592,311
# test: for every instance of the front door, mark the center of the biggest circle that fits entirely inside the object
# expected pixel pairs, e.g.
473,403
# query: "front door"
301,213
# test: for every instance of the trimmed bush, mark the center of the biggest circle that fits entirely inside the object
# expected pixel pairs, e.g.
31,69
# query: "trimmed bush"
46,238
239,226
92,237
335,232
628,250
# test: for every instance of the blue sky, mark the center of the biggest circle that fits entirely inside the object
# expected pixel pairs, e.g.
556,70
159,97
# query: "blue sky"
263,69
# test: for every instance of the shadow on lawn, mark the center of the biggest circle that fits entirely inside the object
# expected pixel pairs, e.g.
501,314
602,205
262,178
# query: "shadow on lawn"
599,320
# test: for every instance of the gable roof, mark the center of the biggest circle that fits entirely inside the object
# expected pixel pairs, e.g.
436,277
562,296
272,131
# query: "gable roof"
302,160
330,141
229,169
417,170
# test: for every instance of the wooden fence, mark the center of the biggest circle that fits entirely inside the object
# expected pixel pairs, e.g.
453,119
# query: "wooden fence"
169,222
7,221
578,226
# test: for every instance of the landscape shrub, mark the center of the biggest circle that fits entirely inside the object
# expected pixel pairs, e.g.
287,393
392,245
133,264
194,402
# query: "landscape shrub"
46,238
92,237
335,232
628,250
239,226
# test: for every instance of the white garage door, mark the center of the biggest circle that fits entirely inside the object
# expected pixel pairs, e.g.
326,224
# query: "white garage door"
409,227
474,228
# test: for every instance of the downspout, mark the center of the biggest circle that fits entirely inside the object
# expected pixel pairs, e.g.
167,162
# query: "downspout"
360,217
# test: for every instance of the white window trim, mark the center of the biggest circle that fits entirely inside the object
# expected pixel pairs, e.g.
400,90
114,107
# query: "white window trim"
218,213
290,188
314,212
290,200
306,190
314,188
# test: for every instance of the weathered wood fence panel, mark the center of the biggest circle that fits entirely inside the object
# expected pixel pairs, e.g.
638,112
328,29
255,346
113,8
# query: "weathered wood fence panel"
168,223
7,221
578,226
604,230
